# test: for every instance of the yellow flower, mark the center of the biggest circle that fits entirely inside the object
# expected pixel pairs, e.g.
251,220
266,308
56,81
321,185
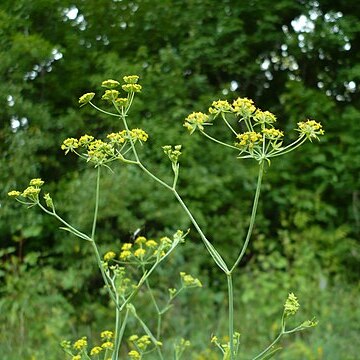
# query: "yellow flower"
248,139
264,117
131,88
69,144
133,338
139,253
139,134
196,120
220,106
291,305
273,134
36,182
110,95
14,193
107,334
124,255
76,357
126,246
243,107
85,140
80,344
107,345
134,355
86,98
109,255
31,192
48,201
189,281
110,84
121,101
131,79
95,350
151,243
311,129
140,240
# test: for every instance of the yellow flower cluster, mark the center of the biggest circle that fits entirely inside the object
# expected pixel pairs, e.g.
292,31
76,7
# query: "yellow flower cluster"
196,120
96,350
243,107
134,355
131,79
110,84
248,139
86,98
80,344
220,106
110,95
172,152
311,129
131,88
291,305
272,134
31,192
264,117
146,250
189,281
109,256
100,152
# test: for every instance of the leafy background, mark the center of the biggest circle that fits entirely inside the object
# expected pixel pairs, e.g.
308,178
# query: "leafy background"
298,59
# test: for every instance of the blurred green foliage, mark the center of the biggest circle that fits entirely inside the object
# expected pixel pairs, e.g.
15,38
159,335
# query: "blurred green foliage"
306,238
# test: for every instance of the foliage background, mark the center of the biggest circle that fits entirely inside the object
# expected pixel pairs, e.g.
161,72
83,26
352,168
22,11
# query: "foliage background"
298,59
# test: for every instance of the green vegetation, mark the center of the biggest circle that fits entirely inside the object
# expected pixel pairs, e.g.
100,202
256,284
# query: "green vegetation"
305,238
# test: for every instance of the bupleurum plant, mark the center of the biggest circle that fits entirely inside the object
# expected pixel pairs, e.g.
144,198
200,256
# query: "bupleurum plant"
254,136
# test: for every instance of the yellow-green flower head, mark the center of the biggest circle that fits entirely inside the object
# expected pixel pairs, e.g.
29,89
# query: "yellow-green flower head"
107,335
134,355
132,88
133,338
110,84
172,153
14,193
118,137
273,134
121,101
107,345
31,192
80,344
109,256
99,151
264,117
140,240
85,140
110,95
76,357
291,305
86,98
125,254
139,253
143,342
126,246
243,107
311,129
196,120
70,144
95,350
219,106
139,134
131,79
189,281
248,139
151,244
48,201
36,182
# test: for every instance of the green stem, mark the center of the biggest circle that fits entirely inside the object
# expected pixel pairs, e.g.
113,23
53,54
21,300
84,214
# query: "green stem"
218,141
119,332
103,111
253,215
290,147
159,314
214,254
227,124
269,347
231,315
